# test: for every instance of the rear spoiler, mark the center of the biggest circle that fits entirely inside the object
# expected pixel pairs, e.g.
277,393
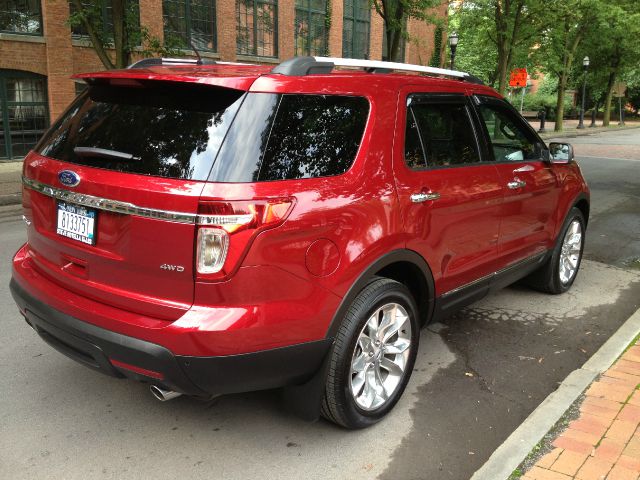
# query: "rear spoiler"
237,77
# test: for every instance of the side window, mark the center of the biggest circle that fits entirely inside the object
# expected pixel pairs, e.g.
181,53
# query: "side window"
440,133
287,137
314,136
509,140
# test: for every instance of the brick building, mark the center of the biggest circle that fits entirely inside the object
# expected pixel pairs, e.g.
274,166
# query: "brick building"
39,51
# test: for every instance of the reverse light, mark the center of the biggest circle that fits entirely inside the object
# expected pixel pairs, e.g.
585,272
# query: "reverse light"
226,229
212,249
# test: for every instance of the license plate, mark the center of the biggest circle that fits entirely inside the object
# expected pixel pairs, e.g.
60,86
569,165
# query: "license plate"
77,223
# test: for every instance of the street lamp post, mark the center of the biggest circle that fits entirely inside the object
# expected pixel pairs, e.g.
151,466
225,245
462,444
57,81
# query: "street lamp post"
453,44
585,65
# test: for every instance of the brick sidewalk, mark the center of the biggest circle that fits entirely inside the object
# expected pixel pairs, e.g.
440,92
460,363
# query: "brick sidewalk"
604,442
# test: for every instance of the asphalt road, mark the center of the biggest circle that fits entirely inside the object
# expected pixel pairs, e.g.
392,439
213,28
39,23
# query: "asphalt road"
477,377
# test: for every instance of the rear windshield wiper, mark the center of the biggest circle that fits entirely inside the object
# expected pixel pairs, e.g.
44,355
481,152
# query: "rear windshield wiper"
104,153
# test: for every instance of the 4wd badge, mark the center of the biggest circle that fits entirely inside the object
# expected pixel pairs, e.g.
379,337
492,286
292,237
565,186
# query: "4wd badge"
172,268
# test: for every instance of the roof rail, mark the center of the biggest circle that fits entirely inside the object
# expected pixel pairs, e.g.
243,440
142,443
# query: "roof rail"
157,61
300,66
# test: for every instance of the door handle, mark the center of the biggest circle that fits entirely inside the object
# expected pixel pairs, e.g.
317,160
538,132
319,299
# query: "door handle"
526,168
516,183
424,197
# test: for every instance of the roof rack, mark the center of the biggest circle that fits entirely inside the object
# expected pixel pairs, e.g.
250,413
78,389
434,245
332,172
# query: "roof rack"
157,61
301,66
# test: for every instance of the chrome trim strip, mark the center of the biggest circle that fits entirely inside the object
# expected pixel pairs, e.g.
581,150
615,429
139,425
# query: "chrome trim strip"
109,205
534,258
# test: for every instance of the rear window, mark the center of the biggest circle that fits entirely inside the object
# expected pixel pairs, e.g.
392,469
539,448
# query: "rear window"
285,137
201,132
163,129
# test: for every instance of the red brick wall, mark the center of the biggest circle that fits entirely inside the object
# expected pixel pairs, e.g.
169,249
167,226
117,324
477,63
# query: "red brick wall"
335,33
376,33
226,26
286,19
57,57
151,17
18,55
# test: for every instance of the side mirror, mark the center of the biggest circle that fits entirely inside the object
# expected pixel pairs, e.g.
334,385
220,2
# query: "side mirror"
561,152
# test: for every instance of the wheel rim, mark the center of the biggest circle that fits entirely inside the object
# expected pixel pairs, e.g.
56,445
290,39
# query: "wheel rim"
380,356
570,253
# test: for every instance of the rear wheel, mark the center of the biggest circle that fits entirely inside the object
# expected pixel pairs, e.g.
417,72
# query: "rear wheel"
373,355
559,272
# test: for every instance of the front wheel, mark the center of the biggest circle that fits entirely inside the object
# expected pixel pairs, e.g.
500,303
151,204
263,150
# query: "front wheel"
373,355
559,272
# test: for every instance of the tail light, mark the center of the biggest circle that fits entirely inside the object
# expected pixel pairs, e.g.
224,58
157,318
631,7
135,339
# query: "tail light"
226,230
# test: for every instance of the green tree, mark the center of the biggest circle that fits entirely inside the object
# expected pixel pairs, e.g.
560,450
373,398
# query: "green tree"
395,14
497,35
571,21
120,33
612,46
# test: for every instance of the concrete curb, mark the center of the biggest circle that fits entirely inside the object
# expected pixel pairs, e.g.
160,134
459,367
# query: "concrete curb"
10,212
514,450
582,133
11,199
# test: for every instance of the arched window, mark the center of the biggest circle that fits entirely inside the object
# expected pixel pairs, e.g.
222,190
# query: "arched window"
24,114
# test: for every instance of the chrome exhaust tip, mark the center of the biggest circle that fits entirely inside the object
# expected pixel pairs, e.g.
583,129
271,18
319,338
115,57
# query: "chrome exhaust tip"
162,394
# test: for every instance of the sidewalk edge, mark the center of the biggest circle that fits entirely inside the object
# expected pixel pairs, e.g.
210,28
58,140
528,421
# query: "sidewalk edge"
506,458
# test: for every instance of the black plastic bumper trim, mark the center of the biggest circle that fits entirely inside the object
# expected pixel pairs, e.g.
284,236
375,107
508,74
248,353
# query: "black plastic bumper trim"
92,346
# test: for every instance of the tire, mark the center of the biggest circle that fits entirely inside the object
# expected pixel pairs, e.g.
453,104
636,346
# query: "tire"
383,300
552,277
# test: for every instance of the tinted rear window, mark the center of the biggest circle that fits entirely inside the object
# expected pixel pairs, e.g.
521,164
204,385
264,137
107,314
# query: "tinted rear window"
163,129
284,137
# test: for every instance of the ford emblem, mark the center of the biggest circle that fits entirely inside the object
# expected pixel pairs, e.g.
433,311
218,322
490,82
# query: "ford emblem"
68,178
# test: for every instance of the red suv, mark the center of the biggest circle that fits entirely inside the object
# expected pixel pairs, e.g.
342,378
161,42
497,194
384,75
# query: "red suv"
212,229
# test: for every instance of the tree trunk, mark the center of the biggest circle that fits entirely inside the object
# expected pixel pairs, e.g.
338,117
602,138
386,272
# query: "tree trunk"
607,99
502,70
501,44
567,61
562,85
119,33
615,63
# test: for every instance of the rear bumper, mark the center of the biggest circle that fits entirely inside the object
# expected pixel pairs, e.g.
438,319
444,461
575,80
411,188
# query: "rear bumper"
120,355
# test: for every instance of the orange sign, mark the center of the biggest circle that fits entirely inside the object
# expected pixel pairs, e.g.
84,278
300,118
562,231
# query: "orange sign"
518,77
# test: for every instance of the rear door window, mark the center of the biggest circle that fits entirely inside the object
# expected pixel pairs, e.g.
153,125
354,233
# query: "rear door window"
156,128
439,133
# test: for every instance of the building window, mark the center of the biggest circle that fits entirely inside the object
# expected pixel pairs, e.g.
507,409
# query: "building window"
21,16
355,29
311,36
101,16
24,114
257,22
190,22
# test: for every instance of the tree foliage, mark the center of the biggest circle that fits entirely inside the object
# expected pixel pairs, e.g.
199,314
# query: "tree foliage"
497,35
612,48
114,30
395,14
551,37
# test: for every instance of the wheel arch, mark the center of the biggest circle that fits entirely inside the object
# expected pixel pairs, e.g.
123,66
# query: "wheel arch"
582,204
402,265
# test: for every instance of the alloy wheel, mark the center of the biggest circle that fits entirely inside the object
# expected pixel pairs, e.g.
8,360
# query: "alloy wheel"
380,356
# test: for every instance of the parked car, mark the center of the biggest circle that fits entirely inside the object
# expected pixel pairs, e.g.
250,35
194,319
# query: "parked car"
212,229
